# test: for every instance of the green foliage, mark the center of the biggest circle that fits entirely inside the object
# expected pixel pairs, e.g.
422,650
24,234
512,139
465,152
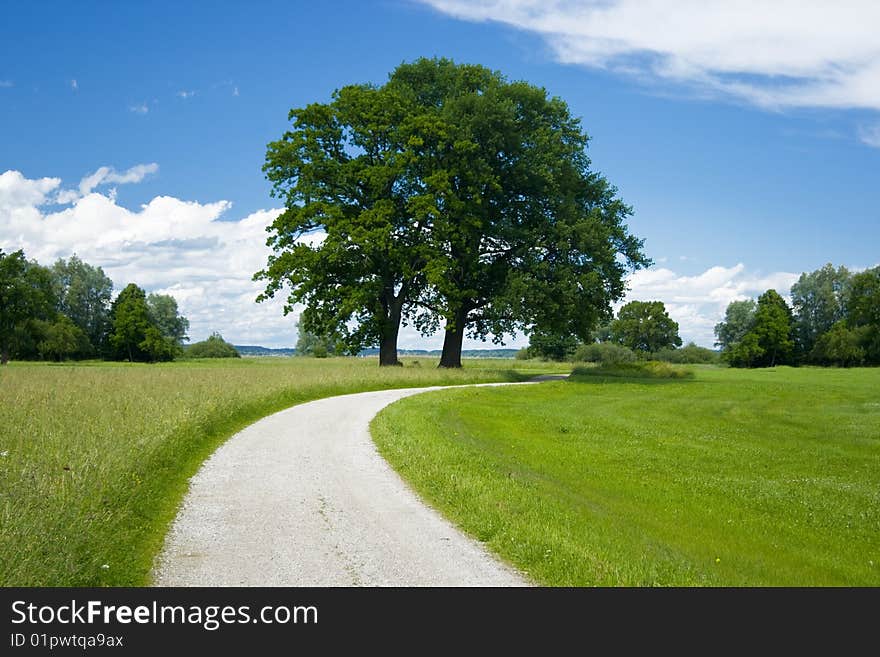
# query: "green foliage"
129,321
606,353
164,315
548,346
523,354
738,320
435,193
863,312
62,339
650,369
690,354
773,328
840,346
214,347
745,353
818,302
84,295
645,326
26,293
309,344
158,347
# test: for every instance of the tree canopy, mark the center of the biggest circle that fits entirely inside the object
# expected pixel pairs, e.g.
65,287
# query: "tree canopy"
738,320
645,326
84,294
818,301
448,195
27,293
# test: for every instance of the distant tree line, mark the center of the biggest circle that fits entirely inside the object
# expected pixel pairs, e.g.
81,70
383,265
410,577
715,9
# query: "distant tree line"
834,319
642,330
66,311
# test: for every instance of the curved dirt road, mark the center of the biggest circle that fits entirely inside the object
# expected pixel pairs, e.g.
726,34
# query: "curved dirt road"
302,498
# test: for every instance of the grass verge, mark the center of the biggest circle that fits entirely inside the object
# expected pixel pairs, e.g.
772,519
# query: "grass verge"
734,478
95,458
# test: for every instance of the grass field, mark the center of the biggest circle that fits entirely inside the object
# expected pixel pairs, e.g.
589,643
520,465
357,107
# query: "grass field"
95,458
730,478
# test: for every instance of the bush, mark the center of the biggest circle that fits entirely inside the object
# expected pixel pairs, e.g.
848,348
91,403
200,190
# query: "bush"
605,353
522,354
688,355
651,369
213,347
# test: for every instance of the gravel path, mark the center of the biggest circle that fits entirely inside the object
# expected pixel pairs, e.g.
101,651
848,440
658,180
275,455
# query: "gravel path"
302,498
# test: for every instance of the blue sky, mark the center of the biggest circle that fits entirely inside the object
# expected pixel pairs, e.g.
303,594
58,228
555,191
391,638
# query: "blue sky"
747,140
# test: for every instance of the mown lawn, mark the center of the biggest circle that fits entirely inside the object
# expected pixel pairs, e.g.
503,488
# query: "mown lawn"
95,458
730,478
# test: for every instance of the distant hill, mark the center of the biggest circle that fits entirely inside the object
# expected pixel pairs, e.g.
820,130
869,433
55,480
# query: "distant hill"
253,350
435,353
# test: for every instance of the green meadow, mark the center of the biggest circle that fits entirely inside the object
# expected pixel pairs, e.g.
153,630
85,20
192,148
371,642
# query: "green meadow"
724,477
95,458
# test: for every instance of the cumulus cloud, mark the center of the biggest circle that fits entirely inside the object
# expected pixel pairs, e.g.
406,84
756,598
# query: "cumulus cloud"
698,302
187,249
788,53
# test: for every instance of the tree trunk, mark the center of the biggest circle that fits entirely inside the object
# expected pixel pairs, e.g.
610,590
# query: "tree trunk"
388,351
130,360
4,356
451,356
388,341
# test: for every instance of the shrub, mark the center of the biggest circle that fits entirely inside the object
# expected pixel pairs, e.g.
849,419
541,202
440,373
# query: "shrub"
213,347
523,354
605,353
650,369
689,355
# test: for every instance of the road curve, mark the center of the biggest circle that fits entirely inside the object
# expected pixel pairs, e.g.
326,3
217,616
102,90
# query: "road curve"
303,498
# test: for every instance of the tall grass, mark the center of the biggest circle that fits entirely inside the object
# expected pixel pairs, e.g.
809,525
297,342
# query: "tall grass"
95,458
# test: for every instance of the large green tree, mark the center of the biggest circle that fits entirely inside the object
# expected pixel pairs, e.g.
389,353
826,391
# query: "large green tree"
27,293
446,195
738,320
84,294
342,171
645,326
520,233
818,302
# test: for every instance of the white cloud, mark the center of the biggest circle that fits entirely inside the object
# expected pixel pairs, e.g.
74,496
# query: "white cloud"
6,84
103,176
788,53
697,303
870,135
74,85
183,248
235,91
140,108
185,94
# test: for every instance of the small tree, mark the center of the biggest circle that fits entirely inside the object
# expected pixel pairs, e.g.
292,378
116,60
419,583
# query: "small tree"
738,320
166,318
130,319
745,353
158,347
645,326
773,329
552,347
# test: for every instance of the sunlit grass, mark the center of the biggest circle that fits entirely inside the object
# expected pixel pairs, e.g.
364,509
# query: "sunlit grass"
95,457
732,478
